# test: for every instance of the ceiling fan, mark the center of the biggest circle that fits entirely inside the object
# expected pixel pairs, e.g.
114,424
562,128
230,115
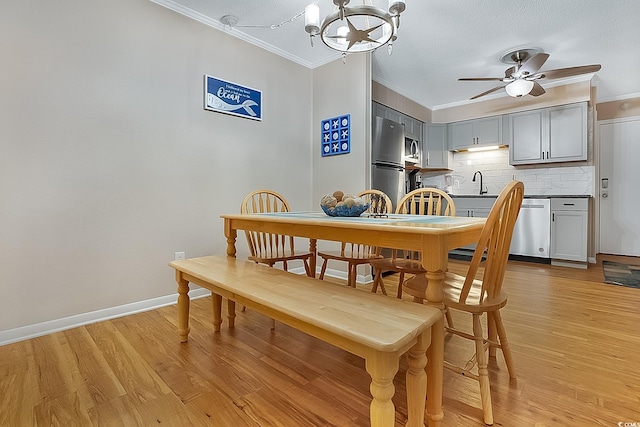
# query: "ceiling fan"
522,78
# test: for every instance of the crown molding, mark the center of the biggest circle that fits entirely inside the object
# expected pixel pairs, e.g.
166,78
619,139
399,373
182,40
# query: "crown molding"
197,16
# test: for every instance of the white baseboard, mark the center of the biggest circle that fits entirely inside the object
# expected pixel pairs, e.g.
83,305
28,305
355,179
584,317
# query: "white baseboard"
339,274
44,328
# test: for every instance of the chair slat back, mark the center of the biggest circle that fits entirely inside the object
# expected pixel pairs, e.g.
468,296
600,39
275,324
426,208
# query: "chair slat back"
266,245
495,240
427,201
381,204
424,201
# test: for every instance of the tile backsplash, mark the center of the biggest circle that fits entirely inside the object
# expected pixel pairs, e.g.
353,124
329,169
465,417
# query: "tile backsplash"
497,172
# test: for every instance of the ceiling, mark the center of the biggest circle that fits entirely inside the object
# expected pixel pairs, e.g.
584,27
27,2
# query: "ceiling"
442,40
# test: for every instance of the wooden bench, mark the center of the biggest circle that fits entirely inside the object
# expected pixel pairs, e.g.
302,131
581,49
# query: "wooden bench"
375,327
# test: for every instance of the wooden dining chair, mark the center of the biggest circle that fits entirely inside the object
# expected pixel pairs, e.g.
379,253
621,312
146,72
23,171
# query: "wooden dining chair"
422,201
267,248
485,295
356,254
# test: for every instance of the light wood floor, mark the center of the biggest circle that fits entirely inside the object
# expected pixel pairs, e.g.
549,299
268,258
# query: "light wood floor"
576,345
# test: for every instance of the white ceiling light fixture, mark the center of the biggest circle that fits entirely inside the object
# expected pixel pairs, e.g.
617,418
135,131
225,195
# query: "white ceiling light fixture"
518,88
367,27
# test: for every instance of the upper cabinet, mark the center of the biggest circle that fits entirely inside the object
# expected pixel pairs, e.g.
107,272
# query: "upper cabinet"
474,133
435,152
555,134
412,127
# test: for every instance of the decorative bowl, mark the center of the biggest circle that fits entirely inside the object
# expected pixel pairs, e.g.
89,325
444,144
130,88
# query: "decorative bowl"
343,210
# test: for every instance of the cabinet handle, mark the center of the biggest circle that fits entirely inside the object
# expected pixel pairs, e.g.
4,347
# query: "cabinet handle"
553,217
547,155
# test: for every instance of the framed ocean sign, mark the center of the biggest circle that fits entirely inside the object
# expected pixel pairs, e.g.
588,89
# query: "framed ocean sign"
230,98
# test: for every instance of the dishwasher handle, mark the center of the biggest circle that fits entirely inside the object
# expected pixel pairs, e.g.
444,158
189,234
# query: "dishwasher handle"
532,206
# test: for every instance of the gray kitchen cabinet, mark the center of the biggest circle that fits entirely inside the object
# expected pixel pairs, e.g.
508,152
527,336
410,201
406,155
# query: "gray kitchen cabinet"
569,226
412,127
477,207
475,133
435,151
555,134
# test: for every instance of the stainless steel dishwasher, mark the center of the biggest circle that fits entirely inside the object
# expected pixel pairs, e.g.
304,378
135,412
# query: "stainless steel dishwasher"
532,233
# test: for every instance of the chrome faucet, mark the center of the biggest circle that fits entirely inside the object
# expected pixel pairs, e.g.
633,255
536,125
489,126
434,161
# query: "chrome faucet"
482,190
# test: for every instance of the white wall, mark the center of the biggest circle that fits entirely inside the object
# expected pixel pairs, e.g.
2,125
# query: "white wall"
342,89
109,163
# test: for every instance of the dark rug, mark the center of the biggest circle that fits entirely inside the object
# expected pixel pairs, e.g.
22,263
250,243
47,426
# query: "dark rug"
621,274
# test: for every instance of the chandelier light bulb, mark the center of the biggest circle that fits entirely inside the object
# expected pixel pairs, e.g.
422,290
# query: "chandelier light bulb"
342,33
312,19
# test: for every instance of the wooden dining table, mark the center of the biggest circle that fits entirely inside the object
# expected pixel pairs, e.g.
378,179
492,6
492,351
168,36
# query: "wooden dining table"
432,236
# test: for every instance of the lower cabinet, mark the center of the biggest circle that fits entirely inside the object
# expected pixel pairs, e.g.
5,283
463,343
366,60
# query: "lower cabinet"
478,207
569,227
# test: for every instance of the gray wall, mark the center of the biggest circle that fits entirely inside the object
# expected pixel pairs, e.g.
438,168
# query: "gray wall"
108,161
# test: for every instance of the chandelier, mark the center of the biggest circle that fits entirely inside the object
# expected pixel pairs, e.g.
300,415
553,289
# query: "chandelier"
359,28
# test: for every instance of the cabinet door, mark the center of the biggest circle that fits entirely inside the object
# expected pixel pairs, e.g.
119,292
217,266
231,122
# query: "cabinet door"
526,137
435,153
569,235
460,135
567,133
488,131
394,115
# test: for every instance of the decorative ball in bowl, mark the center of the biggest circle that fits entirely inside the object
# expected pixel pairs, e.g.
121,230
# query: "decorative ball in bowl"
340,204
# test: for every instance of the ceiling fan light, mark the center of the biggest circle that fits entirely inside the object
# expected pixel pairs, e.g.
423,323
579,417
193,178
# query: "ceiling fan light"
519,88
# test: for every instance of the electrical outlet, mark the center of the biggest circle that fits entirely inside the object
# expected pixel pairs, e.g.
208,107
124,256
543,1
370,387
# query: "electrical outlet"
177,256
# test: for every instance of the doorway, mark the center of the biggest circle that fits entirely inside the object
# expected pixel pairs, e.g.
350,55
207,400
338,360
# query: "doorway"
619,186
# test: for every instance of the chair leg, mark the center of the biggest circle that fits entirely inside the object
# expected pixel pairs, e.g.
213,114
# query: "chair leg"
307,268
351,275
324,268
483,371
377,281
504,344
273,324
492,335
447,315
285,266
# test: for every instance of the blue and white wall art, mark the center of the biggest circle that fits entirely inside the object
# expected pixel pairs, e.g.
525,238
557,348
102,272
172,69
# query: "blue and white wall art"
335,134
231,98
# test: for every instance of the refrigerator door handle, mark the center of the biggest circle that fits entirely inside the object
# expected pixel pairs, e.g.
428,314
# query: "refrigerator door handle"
389,165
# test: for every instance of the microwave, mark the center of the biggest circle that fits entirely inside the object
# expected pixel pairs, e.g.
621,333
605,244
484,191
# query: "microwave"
411,150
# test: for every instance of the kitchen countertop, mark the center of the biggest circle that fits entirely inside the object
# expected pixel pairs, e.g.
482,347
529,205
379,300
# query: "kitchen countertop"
528,196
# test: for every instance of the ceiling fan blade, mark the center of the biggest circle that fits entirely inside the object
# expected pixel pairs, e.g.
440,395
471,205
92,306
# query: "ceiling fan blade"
509,71
481,79
533,64
571,71
488,92
537,90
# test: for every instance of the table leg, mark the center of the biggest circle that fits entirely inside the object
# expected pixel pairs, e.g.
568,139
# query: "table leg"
183,307
382,367
217,311
435,373
231,235
434,260
417,381
231,312
313,248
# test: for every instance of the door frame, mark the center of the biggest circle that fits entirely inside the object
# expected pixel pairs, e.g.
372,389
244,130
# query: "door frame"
596,156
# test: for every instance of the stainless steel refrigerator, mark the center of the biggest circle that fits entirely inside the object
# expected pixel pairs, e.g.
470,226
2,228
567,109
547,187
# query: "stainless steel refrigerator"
387,165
